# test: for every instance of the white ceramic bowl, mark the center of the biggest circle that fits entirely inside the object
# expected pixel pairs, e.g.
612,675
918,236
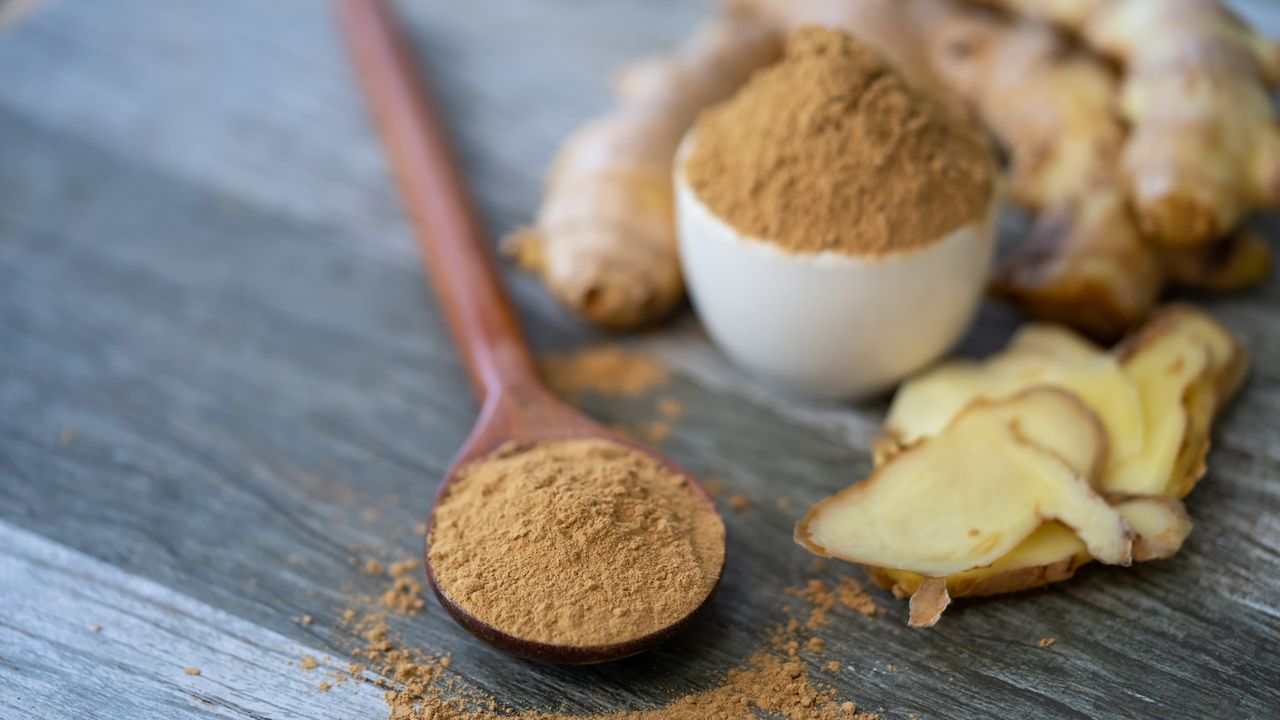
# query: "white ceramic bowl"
829,324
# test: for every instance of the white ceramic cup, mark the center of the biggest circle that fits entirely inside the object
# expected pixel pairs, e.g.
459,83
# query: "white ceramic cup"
829,324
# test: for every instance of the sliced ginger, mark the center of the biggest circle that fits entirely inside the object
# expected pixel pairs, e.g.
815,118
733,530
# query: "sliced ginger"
965,498
1051,554
1038,355
1155,395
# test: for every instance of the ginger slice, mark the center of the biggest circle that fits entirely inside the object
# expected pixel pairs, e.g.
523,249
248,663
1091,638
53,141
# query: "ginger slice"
1052,341
966,497
1053,552
1038,355
1156,394
1229,362
1186,366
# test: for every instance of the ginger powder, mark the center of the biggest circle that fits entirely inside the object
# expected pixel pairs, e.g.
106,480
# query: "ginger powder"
832,149
575,542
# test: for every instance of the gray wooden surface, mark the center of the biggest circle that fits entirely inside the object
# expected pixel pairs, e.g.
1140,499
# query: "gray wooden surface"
221,372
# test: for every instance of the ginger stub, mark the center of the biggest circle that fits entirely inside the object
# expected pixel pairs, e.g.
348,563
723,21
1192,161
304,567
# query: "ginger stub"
1154,396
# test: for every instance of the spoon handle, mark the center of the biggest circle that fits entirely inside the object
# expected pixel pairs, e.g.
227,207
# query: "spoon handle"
431,185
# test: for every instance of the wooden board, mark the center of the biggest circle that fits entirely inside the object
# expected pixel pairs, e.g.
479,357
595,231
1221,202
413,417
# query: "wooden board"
222,377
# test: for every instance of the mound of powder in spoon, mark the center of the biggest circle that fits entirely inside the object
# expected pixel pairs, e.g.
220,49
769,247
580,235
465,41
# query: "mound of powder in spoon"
575,542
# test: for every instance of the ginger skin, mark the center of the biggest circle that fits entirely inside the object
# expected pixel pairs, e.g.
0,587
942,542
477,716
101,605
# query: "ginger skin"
1196,166
604,240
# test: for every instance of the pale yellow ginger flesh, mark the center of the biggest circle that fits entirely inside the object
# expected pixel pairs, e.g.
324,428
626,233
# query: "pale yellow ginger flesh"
965,498
926,405
1051,554
1154,396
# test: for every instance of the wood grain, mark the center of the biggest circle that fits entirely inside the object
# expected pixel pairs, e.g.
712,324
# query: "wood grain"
222,377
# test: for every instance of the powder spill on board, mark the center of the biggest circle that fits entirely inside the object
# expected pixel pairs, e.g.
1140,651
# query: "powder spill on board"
607,370
418,685
612,371
848,593
832,150
576,542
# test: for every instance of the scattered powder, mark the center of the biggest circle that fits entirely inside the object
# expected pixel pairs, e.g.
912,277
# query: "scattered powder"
848,594
308,662
304,620
418,685
670,408
608,370
373,567
832,150
97,628
739,502
405,594
851,596
773,682
1046,642
582,542
191,670
784,503
657,431
714,487
67,437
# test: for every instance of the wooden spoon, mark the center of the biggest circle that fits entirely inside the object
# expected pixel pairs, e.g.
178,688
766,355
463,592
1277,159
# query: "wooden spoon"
517,407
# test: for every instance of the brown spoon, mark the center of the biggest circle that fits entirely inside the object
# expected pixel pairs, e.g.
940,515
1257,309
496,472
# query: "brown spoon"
516,406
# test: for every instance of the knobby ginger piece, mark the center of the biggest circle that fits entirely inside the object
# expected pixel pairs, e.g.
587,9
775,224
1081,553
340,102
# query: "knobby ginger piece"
1085,264
1237,262
604,239
1204,146
1052,106
963,499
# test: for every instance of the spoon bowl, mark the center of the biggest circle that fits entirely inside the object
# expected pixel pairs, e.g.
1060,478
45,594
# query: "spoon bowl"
517,407
528,416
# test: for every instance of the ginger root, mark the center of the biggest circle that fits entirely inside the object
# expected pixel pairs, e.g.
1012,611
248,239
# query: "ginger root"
1204,148
1133,194
1154,396
604,240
